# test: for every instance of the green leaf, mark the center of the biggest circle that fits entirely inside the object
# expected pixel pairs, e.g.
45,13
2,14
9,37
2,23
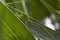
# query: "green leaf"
11,4
54,3
18,5
13,28
42,31
52,10
38,10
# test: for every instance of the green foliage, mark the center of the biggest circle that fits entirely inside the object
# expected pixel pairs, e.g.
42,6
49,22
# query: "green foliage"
17,24
13,28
